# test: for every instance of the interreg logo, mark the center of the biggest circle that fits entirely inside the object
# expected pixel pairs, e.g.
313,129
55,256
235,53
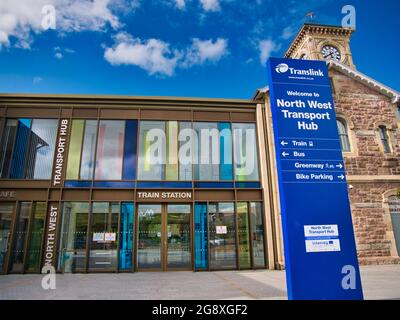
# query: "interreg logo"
283,68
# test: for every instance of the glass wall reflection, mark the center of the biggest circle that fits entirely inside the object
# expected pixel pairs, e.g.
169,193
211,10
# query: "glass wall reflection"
27,148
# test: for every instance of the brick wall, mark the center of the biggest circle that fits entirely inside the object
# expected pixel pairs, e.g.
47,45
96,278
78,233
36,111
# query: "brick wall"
365,109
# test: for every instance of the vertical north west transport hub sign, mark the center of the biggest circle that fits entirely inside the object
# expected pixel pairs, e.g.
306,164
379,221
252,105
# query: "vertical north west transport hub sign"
320,253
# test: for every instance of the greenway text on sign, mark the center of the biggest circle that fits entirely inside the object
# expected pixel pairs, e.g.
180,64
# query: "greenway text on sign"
320,252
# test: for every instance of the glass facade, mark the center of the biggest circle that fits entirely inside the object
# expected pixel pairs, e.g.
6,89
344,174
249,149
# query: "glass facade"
245,151
151,158
201,236
6,214
104,236
149,236
257,233
110,150
120,236
27,148
26,241
178,236
37,232
72,252
243,235
126,236
222,235
21,234
175,151
96,236
226,238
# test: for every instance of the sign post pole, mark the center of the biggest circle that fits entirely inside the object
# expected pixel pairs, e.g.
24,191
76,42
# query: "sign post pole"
320,252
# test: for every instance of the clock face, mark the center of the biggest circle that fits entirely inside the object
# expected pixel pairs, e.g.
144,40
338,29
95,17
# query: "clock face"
331,52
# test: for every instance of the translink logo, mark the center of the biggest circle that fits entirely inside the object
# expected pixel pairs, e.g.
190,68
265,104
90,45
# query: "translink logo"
283,68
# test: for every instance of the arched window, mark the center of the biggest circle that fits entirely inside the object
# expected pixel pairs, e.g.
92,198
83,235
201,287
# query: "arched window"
384,139
394,208
343,135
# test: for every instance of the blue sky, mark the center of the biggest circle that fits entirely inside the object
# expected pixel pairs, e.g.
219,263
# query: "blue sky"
196,48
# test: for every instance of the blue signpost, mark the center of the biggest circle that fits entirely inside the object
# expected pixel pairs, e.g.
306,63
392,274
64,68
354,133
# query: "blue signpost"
320,253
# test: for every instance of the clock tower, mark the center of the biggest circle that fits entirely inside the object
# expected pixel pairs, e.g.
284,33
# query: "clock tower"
322,42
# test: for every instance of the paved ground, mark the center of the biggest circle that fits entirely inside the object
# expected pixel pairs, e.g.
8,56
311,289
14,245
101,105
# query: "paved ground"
379,282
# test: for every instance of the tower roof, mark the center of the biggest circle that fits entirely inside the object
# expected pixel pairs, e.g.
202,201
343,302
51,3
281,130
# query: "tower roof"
314,28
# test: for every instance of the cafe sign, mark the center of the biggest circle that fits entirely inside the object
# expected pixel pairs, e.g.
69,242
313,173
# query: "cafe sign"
8,194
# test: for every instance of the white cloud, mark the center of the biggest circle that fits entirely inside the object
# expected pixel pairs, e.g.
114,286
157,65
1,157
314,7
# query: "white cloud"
287,33
159,58
37,80
203,51
59,52
22,19
210,5
180,4
153,55
266,47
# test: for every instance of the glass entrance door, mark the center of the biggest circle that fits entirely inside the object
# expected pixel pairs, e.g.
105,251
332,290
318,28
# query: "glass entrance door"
149,236
178,234
164,237
6,213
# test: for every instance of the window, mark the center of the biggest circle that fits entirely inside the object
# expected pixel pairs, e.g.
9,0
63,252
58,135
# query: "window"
394,208
257,233
37,228
185,156
6,215
243,235
245,151
383,135
343,135
81,150
103,236
72,253
398,113
207,151
27,148
110,148
222,235
165,151
201,235
151,150
126,236
27,242
116,148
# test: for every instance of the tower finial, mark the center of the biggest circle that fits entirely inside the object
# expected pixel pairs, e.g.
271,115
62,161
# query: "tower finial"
311,16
